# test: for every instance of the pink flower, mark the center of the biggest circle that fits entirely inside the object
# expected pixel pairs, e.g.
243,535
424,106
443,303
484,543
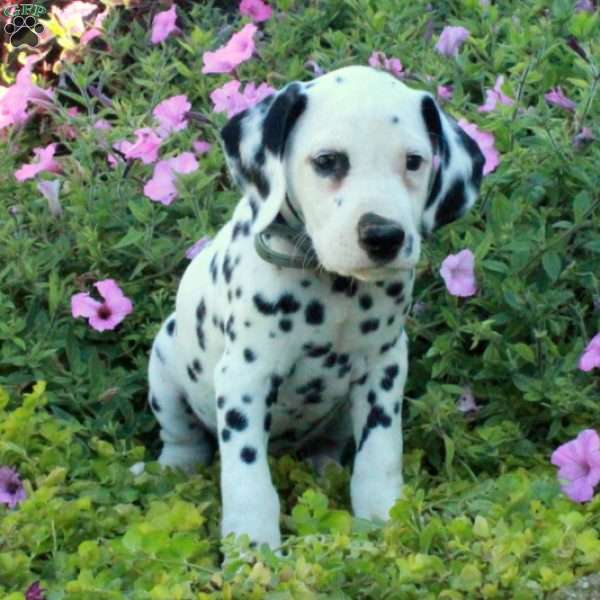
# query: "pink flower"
444,92
15,99
579,465
171,113
50,190
555,96
195,249
35,592
256,9
583,138
67,130
458,273
102,315
11,487
229,99
495,95
163,25
102,124
485,141
466,402
71,17
161,188
314,67
201,147
145,146
45,162
95,30
237,50
584,5
590,359
379,60
451,39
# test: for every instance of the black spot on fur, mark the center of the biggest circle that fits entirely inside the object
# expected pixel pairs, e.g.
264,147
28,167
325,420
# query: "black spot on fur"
229,328
225,435
197,366
371,397
214,270
316,351
248,454
312,398
361,380
314,313
394,289
390,373
200,336
365,301
369,325
267,424
343,358
344,369
377,416
236,419
396,408
314,385
330,360
305,283
395,119
385,347
238,292
154,404
249,355
346,285
254,208
227,268
285,325
220,401
159,355
247,399
276,382
191,374
171,326
288,304
391,320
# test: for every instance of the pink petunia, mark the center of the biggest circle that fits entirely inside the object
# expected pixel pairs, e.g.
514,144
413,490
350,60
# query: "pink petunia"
451,39
44,162
257,10
579,465
237,50
145,146
95,30
161,188
171,113
584,137
196,248
163,25
485,141
585,6
466,402
17,98
555,96
230,100
590,359
35,592
458,273
495,95
201,147
102,315
12,492
445,92
102,125
50,190
71,16
379,60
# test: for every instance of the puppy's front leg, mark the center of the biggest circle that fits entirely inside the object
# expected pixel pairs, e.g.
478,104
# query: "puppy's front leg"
244,397
376,481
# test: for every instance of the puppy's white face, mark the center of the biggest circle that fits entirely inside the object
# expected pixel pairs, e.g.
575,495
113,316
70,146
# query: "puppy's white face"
358,164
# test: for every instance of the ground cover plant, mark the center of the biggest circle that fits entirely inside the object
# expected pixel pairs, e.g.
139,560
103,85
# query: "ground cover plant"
111,178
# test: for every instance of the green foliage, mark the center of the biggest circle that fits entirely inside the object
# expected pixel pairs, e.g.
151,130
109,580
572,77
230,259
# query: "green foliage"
482,515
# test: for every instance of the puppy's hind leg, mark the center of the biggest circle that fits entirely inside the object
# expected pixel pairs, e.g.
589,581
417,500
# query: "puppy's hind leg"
186,442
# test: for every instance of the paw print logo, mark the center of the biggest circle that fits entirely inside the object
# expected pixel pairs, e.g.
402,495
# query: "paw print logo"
23,31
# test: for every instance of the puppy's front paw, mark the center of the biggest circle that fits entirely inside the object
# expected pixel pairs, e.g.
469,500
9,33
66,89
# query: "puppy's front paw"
373,500
259,520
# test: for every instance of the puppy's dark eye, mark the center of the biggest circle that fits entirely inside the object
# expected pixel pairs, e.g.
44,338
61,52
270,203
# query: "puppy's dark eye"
331,163
413,162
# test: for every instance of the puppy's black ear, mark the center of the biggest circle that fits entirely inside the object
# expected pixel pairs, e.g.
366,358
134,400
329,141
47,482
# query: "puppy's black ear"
457,180
254,143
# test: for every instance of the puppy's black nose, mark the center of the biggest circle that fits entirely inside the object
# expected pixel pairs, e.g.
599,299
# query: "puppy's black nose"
380,238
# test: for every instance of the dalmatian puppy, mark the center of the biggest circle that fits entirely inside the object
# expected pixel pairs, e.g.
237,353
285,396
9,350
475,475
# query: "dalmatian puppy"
311,353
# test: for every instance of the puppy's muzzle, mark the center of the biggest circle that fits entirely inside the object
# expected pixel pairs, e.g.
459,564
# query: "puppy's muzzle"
380,238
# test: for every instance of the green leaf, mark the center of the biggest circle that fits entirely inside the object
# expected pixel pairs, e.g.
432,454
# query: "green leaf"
552,264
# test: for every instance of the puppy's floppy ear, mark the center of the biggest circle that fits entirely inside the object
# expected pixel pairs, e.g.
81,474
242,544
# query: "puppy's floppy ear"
456,182
255,144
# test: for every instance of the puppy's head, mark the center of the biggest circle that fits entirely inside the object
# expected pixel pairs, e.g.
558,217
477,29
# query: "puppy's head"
370,164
